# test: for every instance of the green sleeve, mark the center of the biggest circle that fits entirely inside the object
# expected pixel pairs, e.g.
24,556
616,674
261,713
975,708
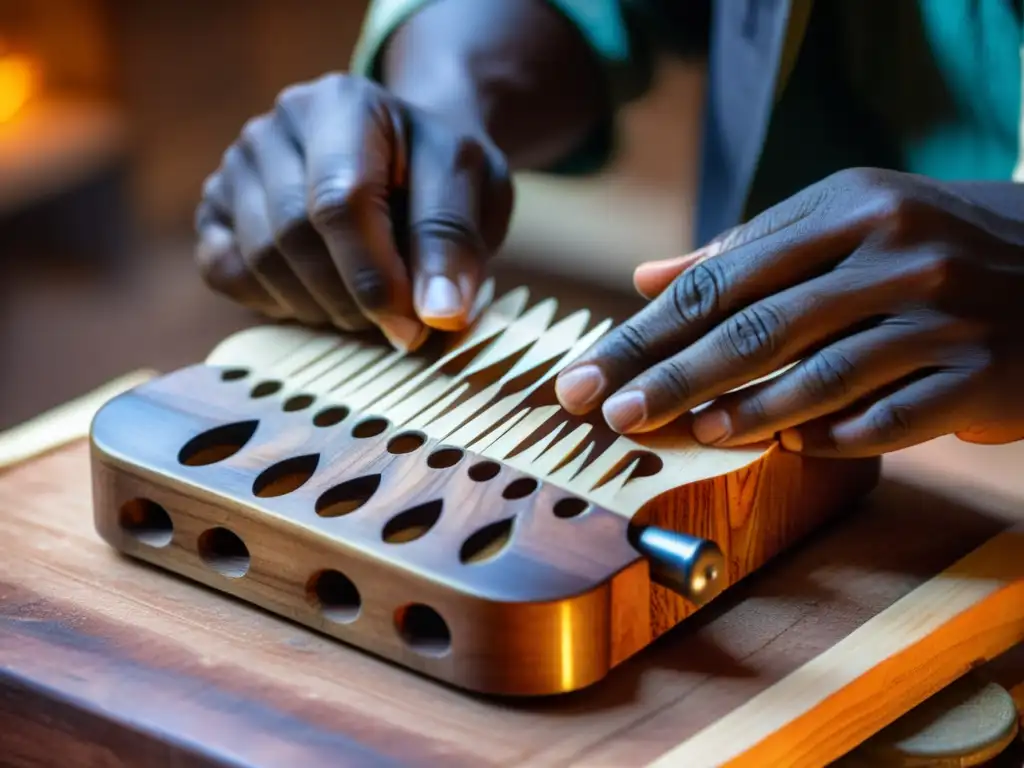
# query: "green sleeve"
623,53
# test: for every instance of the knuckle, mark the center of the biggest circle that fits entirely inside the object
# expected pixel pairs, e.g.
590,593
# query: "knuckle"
287,214
630,342
449,225
934,273
674,380
294,95
889,423
370,288
753,334
336,203
254,129
859,178
827,375
698,293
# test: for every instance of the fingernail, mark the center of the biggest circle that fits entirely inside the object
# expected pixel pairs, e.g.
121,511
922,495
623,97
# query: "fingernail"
712,427
577,389
441,297
626,411
791,440
403,333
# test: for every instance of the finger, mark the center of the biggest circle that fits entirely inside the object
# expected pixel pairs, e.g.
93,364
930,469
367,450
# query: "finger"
785,247
652,277
829,380
352,143
932,406
224,271
256,241
447,177
759,340
279,165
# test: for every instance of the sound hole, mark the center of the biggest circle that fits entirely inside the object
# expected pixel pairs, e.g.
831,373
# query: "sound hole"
334,594
328,417
285,476
520,489
298,402
147,522
223,551
407,442
483,471
413,523
347,497
370,427
444,458
265,389
423,629
487,542
217,444
233,374
570,507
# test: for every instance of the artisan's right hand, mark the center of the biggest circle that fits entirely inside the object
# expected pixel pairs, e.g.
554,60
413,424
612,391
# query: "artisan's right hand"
347,206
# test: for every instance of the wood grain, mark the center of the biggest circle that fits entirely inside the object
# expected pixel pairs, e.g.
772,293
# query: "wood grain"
105,656
523,582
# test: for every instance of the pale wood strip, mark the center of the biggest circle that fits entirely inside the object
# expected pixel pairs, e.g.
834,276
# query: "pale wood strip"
883,669
65,423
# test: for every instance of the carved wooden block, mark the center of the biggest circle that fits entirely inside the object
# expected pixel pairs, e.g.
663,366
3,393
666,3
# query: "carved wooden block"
440,509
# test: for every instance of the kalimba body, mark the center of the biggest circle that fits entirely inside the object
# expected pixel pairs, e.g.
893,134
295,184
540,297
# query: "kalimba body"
439,508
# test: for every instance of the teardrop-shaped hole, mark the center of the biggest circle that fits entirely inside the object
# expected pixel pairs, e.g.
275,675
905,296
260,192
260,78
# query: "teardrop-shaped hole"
347,497
217,444
412,523
487,542
285,476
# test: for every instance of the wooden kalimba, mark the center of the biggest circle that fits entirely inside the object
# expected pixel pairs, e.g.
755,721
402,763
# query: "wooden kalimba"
440,509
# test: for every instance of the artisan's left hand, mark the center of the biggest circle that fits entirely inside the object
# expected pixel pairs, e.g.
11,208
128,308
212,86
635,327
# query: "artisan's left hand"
901,303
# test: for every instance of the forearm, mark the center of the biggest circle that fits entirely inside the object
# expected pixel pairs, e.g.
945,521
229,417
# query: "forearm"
515,69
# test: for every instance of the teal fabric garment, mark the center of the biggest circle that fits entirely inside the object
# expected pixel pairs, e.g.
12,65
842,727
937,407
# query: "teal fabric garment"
923,86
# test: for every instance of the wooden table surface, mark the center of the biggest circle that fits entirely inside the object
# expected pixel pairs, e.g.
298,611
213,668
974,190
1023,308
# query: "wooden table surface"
105,661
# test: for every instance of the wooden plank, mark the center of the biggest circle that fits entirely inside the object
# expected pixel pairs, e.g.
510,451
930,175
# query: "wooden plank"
110,657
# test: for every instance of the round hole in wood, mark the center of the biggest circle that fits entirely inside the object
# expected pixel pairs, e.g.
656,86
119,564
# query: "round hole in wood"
265,389
407,442
328,417
223,551
217,444
147,522
334,595
233,374
487,543
347,497
370,427
443,458
483,471
298,402
285,476
423,629
570,507
413,523
520,489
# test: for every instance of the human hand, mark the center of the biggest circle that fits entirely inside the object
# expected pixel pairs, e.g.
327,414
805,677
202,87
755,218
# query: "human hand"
347,206
899,304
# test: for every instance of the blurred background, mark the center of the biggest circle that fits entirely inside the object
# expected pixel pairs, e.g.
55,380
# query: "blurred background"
112,112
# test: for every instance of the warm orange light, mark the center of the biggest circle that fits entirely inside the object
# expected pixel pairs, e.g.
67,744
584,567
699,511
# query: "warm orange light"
19,81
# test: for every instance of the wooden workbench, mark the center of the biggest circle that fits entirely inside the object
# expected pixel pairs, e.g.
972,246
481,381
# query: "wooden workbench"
104,661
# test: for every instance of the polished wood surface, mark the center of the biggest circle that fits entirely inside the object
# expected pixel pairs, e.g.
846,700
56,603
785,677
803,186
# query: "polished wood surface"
440,509
104,656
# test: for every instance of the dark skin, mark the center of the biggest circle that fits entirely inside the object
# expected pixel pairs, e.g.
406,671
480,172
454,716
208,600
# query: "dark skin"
898,300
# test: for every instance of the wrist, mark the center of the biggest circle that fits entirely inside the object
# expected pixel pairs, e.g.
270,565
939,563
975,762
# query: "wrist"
516,72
